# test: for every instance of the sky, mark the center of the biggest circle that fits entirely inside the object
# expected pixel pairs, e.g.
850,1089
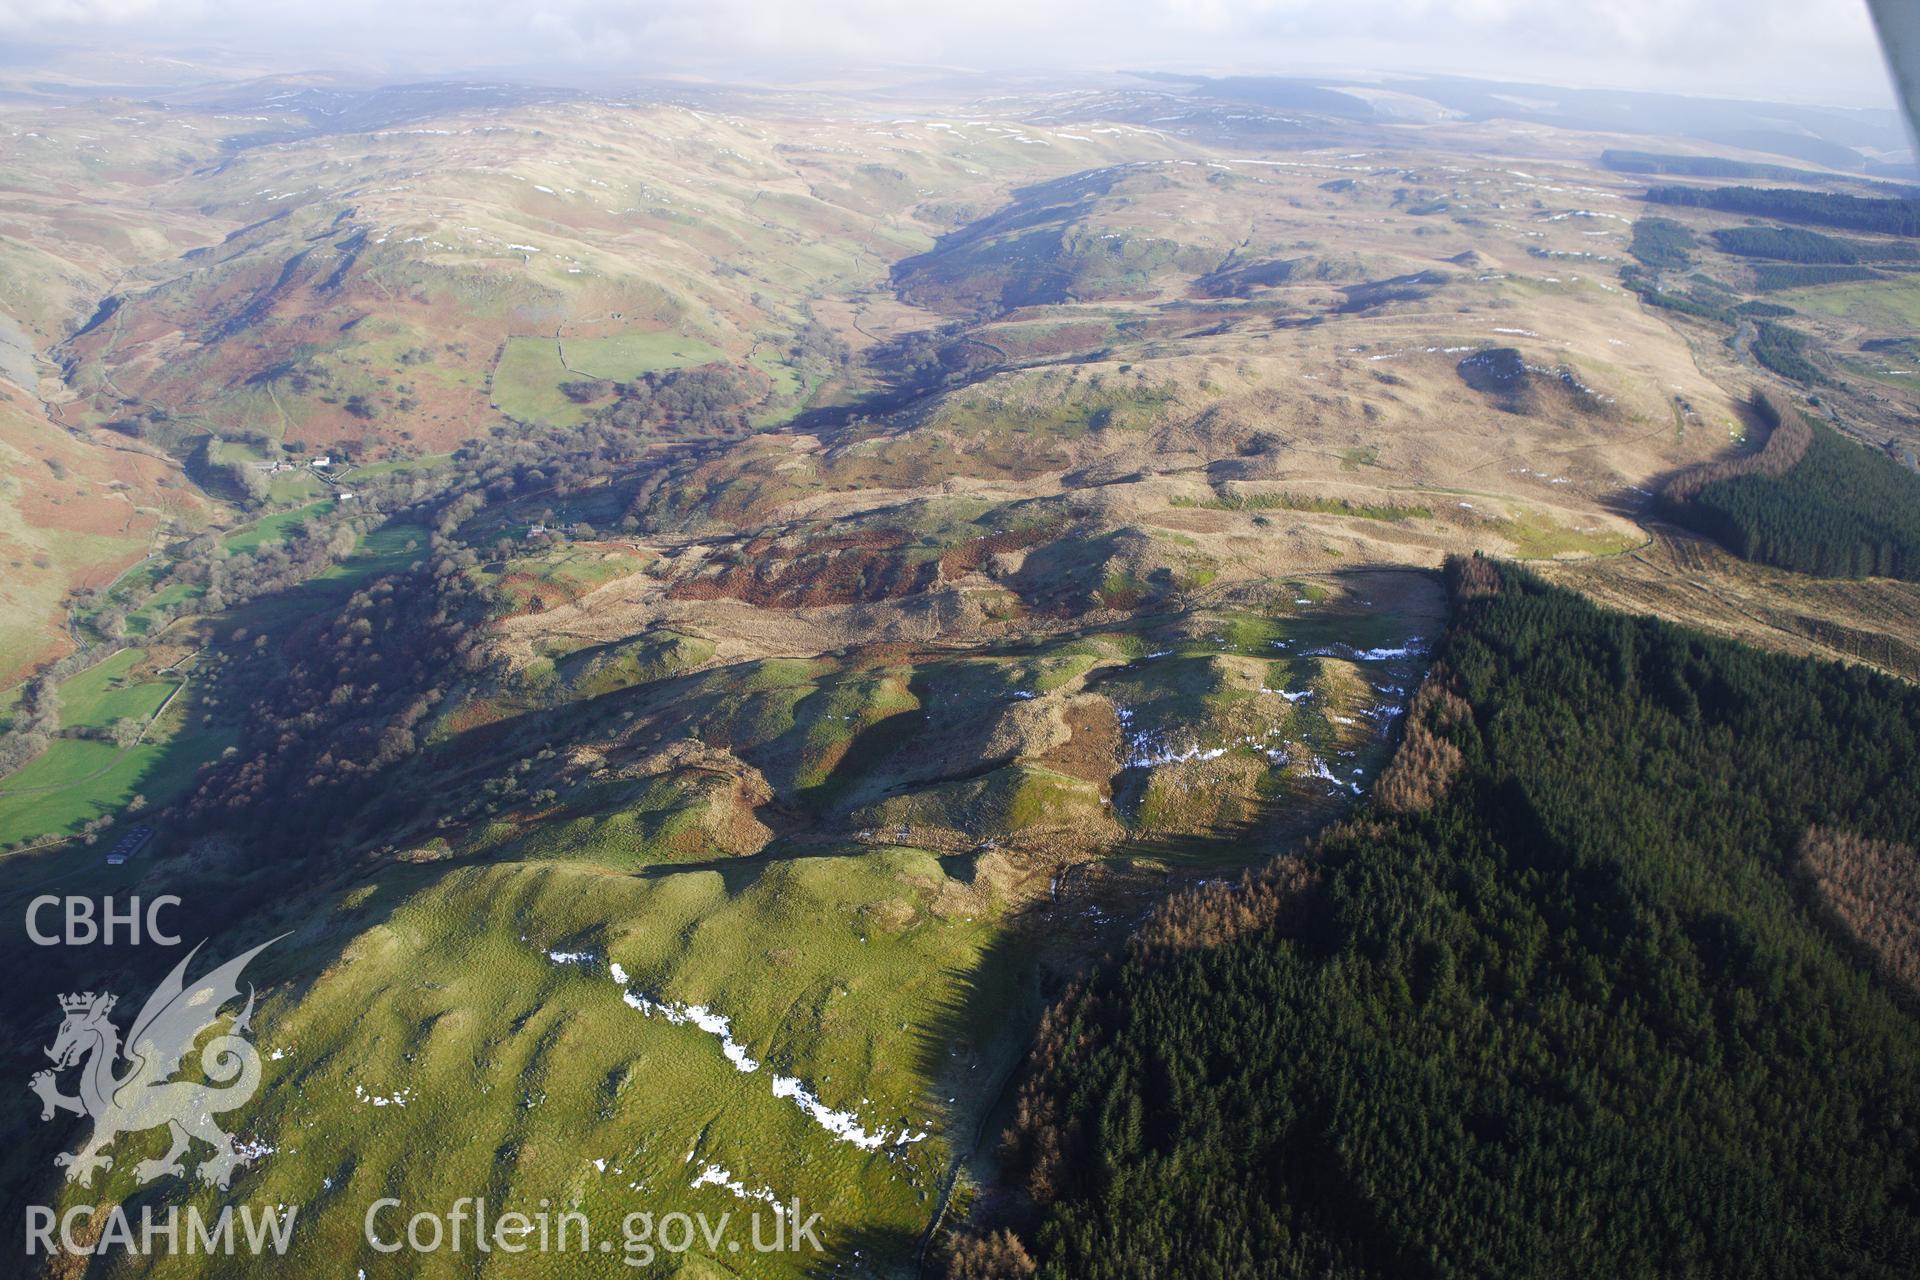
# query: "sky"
1810,51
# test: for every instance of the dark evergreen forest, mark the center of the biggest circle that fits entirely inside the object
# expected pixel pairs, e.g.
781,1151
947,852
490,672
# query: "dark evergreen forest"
1574,1005
1887,216
1841,511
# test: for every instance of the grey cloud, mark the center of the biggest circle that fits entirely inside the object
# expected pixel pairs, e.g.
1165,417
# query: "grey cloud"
1801,50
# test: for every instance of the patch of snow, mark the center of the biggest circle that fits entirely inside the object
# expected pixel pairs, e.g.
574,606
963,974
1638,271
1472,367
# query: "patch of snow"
714,1175
714,1024
1411,649
843,1125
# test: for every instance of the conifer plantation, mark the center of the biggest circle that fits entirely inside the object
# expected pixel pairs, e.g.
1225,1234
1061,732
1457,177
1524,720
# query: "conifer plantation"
1603,999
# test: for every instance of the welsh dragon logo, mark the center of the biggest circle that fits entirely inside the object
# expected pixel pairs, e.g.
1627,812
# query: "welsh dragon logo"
129,1089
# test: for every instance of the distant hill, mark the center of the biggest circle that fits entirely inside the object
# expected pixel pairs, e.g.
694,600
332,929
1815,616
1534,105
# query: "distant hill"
1708,166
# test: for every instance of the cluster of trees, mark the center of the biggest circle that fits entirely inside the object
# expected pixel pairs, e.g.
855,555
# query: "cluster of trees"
1698,166
1661,243
345,701
1770,277
324,538
1788,244
153,423
1783,349
556,462
818,352
36,718
586,390
998,1255
509,466
1218,911
692,402
1793,244
1872,888
1427,761
1883,216
229,579
1789,435
1580,1013
927,360
1841,511
1805,258
362,676
1700,306
240,479
224,578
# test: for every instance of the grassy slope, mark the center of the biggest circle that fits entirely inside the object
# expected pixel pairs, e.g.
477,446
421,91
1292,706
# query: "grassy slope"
72,514
624,357
1892,305
856,974
79,779
75,781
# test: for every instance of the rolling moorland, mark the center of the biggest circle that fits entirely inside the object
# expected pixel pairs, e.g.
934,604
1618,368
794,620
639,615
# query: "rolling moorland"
768,645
